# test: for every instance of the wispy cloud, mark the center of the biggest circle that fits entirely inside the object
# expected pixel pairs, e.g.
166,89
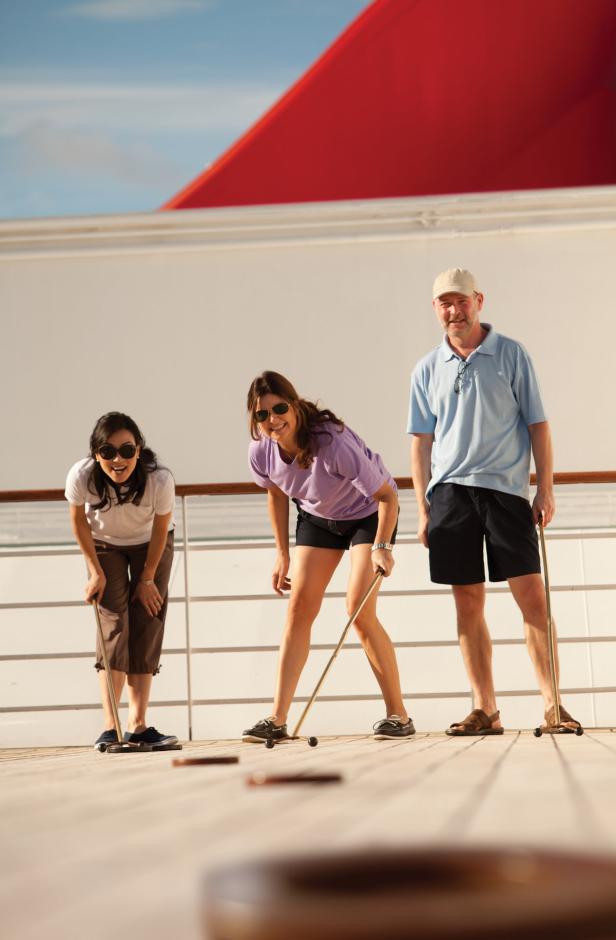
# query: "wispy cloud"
125,10
123,138
312,8
131,108
42,148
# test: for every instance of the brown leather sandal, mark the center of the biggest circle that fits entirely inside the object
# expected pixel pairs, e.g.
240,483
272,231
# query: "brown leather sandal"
550,726
476,724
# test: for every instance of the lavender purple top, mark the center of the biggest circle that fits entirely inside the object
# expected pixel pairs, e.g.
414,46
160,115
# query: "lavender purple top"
339,483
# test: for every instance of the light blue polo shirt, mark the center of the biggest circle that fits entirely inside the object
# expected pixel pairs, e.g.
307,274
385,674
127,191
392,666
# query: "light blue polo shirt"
481,435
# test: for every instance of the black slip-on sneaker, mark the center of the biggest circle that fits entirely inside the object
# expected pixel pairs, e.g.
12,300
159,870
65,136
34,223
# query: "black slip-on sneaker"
150,736
105,739
393,727
265,730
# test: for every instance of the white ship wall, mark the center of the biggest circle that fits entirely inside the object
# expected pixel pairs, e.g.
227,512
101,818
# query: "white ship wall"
169,316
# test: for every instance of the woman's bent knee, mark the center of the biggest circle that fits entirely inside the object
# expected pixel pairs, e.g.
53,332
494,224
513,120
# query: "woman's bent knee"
302,610
364,625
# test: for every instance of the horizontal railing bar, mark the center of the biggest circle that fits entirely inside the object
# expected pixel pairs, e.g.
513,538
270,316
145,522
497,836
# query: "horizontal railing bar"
401,644
553,535
550,535
185,489
411,592
81,707
212,546
250,489
33,551
375,697
220,598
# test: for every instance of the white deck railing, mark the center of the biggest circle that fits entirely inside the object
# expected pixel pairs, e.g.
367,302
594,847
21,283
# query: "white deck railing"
224,625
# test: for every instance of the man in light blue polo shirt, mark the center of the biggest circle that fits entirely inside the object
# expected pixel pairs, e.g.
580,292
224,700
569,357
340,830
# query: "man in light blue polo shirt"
475,415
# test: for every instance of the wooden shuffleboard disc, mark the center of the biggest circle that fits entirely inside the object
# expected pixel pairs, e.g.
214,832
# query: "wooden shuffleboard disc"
198,761
261,779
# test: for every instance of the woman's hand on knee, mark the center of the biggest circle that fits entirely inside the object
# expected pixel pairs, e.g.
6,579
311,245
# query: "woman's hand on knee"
148,595
280,577
95,588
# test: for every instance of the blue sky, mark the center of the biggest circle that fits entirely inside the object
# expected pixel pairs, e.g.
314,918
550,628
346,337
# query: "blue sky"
111,106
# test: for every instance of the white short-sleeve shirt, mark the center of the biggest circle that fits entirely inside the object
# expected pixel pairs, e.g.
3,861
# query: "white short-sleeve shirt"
125,524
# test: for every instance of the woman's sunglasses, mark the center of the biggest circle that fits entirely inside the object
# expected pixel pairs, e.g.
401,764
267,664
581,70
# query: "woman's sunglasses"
263,414
108,451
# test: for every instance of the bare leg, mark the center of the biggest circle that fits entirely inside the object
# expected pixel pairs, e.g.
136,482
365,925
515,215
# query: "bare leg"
529,594
476,645
376,642
139,685
312,572
118,679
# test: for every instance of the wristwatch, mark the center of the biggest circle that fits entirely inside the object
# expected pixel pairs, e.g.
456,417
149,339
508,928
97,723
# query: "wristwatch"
386,545
147,580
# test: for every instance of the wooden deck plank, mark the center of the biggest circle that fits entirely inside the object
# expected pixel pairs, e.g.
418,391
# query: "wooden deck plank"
132,833
590,771
531,801
427,800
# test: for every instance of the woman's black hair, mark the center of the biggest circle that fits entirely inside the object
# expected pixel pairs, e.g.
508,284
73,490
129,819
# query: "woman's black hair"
98,481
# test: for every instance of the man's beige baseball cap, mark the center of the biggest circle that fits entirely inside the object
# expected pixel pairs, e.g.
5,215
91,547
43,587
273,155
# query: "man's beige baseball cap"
455,281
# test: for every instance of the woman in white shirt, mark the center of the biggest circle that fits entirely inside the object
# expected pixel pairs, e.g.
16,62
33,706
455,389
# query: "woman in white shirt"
121,506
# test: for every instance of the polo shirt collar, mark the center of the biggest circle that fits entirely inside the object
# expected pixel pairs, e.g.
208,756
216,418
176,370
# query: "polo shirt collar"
487,347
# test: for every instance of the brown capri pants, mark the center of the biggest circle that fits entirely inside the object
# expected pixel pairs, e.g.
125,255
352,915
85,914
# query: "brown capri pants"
133,639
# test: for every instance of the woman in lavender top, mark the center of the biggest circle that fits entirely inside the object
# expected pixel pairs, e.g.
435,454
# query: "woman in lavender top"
346,499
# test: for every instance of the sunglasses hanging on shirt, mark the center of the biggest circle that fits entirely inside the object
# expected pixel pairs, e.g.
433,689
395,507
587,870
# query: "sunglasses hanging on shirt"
462,367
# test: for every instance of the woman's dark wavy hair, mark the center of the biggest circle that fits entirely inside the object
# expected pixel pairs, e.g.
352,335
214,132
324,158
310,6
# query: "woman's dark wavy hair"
98,481
309,415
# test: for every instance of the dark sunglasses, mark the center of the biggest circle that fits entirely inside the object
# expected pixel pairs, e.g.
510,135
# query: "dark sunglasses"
263,414
108,451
